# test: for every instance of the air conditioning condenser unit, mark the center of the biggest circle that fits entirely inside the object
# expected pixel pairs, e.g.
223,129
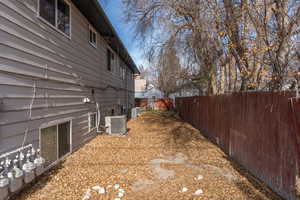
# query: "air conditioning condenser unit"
116,125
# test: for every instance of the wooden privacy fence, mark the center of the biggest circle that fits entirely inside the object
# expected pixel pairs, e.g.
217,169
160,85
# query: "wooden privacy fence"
259,130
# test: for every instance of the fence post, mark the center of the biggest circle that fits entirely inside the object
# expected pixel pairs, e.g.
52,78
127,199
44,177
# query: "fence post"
294,102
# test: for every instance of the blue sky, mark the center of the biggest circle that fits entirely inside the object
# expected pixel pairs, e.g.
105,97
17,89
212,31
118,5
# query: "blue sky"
114,10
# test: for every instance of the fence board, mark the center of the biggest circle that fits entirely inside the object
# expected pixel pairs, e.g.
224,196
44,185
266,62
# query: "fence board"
259,130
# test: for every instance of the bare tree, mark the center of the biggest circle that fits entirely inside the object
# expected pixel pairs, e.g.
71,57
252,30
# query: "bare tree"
145,72
170,76
226,45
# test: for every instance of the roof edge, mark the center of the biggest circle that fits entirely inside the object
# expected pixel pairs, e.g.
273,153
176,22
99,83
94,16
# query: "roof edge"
101,10
116,42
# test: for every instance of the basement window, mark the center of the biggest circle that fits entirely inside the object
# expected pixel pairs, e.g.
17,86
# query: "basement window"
93,37
57,13
55,142
92,121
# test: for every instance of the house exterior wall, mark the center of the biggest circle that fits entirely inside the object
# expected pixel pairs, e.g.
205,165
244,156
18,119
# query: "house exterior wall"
43,69
150,93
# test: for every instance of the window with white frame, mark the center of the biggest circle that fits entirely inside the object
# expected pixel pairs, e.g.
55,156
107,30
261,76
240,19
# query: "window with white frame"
92,121
93,37
57,13
55,142
132,75
117,71
113,61
123,73
110,59
120,69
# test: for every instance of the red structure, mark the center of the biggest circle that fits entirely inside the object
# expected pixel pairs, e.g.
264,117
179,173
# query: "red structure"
259,130
159,104
143,103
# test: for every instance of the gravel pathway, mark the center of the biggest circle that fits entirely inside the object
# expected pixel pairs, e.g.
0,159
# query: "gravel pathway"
162,158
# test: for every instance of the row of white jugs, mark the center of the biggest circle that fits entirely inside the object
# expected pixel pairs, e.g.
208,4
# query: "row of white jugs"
17,178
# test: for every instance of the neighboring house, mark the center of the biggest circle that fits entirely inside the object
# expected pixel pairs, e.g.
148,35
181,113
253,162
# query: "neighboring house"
188,92
153,93
61,63
144,90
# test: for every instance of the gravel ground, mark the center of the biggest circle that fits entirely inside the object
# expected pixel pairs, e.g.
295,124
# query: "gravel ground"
161,158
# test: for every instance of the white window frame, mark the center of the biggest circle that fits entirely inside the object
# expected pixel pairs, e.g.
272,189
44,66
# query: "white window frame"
123,72
132,75
57,123
112,61
94,31
117,66
120,69
55,26
109,70
96,120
